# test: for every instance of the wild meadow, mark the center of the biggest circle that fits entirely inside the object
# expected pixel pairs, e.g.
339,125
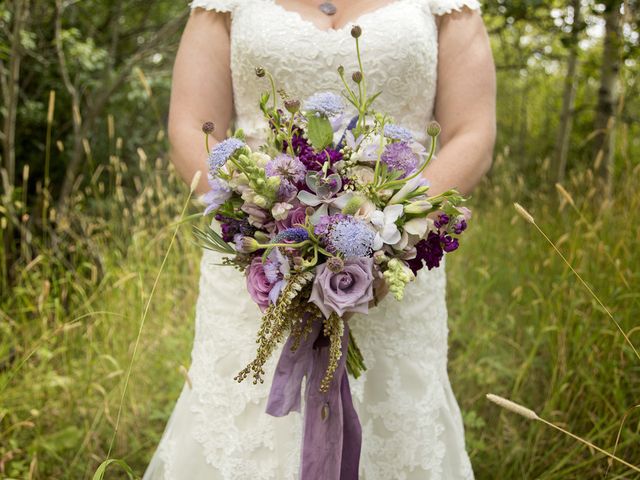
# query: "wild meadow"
99,274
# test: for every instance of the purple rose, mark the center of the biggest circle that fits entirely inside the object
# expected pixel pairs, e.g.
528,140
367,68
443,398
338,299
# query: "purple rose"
258,284
296,217
347,291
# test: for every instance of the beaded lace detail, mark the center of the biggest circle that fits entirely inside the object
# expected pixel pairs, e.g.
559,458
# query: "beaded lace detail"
412,427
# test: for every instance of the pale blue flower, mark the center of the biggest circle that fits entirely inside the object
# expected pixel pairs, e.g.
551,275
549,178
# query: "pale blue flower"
221,152
326,104
351,237
397,132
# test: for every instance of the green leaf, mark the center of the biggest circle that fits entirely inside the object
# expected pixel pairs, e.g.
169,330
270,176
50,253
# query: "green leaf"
102,468
210,240
319,131
372,98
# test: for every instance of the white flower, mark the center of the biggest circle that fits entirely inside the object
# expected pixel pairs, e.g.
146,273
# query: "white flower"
385,224
362,175
419,226
367,151
280,210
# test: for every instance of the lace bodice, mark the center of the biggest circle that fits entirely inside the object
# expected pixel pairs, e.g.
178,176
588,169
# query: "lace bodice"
399,48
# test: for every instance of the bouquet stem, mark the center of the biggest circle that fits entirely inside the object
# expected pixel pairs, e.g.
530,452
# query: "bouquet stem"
355,360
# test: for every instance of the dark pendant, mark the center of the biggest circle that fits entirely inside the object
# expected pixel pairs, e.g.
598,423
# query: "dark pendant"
327,8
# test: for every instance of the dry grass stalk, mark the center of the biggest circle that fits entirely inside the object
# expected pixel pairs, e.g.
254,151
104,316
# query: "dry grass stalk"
530,219
531,415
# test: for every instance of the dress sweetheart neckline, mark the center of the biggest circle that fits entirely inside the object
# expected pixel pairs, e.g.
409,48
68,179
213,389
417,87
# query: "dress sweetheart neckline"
328,31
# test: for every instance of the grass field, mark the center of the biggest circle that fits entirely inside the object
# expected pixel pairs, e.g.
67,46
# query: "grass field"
522,325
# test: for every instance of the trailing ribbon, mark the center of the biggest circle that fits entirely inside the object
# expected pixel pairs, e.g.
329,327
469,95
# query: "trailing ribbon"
332,435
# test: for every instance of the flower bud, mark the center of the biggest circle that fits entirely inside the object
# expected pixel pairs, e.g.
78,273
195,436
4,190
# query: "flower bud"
356,31
357,76
421,206
340,69
292,105
249,244
379,257
208,127
335,264
309,211
261,237
353,205
433,129
260,72
260,201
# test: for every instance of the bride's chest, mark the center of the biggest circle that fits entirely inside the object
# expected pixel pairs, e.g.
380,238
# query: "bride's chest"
398,45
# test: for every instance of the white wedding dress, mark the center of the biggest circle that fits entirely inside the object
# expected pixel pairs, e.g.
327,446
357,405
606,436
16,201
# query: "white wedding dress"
411,423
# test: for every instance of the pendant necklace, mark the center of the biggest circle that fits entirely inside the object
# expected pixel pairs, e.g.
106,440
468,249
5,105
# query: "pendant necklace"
327,7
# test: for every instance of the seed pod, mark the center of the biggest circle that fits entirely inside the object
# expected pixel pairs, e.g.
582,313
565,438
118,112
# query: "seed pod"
433,129
208,127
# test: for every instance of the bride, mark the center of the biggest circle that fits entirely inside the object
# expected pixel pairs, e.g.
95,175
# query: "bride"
431,59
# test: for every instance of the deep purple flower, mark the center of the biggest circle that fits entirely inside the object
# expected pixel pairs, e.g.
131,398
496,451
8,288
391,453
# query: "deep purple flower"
442,220
304,151
428,252
231,226
449,244
399,156
460,226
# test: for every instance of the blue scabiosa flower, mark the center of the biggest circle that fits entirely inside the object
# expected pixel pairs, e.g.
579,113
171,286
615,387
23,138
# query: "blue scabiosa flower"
350,237
396,132
326,104
400,156
221,152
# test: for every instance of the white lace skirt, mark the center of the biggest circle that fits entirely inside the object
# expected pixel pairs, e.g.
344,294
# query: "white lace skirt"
411,424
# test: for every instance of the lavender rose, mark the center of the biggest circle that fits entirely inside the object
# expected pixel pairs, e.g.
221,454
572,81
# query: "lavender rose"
258,283
296,217
350,290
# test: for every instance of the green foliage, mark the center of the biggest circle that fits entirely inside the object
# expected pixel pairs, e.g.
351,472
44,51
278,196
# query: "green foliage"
525,329
319,131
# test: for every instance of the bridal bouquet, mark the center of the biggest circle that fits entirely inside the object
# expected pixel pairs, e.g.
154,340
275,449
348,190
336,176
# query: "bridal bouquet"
318,218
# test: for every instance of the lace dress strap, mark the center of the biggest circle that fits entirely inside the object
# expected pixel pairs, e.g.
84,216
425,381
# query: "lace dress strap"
441,7
218,5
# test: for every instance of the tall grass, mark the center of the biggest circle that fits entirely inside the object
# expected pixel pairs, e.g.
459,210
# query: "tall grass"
521,325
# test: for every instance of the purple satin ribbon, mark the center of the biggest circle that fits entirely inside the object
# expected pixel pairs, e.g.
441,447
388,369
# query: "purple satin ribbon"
332,435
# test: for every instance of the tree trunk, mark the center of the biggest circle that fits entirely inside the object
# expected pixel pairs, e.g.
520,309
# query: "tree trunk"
568,97
604,138
10,81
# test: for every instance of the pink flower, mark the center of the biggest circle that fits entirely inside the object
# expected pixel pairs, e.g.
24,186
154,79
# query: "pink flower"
349,290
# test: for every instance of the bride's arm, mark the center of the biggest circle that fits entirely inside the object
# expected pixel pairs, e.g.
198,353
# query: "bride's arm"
201,91
465,103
